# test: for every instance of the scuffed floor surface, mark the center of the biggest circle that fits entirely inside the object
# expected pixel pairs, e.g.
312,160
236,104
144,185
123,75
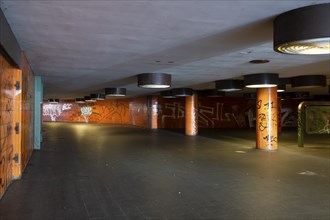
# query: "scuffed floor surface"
87,171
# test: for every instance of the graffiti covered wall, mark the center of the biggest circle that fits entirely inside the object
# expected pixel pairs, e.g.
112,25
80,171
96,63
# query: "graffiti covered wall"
222,112
112,111
7,124
318,120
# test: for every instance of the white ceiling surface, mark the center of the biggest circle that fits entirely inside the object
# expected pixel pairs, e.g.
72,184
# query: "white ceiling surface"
80,47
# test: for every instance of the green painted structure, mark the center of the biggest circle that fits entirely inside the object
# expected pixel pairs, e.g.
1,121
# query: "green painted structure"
38,94
313,118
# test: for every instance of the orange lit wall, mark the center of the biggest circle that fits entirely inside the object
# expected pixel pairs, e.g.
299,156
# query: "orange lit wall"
16,120
7,99
222,112
112,111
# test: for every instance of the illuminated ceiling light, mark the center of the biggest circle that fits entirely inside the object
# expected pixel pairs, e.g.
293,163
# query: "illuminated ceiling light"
98,96
261,80
53,101
89,99
211,93
167,94
308,81
183,92
115,92
304,30
80,101
154,80
229,85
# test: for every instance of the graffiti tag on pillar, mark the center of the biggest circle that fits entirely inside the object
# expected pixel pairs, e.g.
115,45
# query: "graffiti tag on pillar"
263,121
258,105
269,105
271,139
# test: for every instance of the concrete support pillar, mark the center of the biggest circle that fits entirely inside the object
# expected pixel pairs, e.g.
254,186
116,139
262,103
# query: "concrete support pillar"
154,112
38,97
266,119
191,114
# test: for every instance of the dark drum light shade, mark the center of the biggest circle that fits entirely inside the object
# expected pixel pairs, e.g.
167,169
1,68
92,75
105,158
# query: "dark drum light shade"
229,85
183,92
261,80
281,88
282,82
304,30
211,93
168,94
98,96
53,101
308,81
89,99
154,80
80,100
115,92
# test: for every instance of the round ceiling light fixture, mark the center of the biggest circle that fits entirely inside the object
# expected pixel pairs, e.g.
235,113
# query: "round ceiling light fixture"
282,82
80,101
98,96
261,80
211,93
183,92
229,85
304,30
168,94
115,92
154,80
281,88
89,99
308,81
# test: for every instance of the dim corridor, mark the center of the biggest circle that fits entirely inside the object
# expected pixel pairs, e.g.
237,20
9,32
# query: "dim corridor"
99,171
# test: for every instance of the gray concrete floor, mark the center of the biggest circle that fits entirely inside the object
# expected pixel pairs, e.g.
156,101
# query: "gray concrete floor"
87,171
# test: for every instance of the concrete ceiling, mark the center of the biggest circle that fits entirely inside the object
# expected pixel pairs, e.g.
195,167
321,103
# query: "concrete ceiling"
80,47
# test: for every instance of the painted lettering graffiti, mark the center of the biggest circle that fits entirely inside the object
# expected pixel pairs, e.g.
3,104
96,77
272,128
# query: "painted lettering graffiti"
54,111
270,139
85,112
209,115
269,105
177,111
262,121
258,105
66,107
